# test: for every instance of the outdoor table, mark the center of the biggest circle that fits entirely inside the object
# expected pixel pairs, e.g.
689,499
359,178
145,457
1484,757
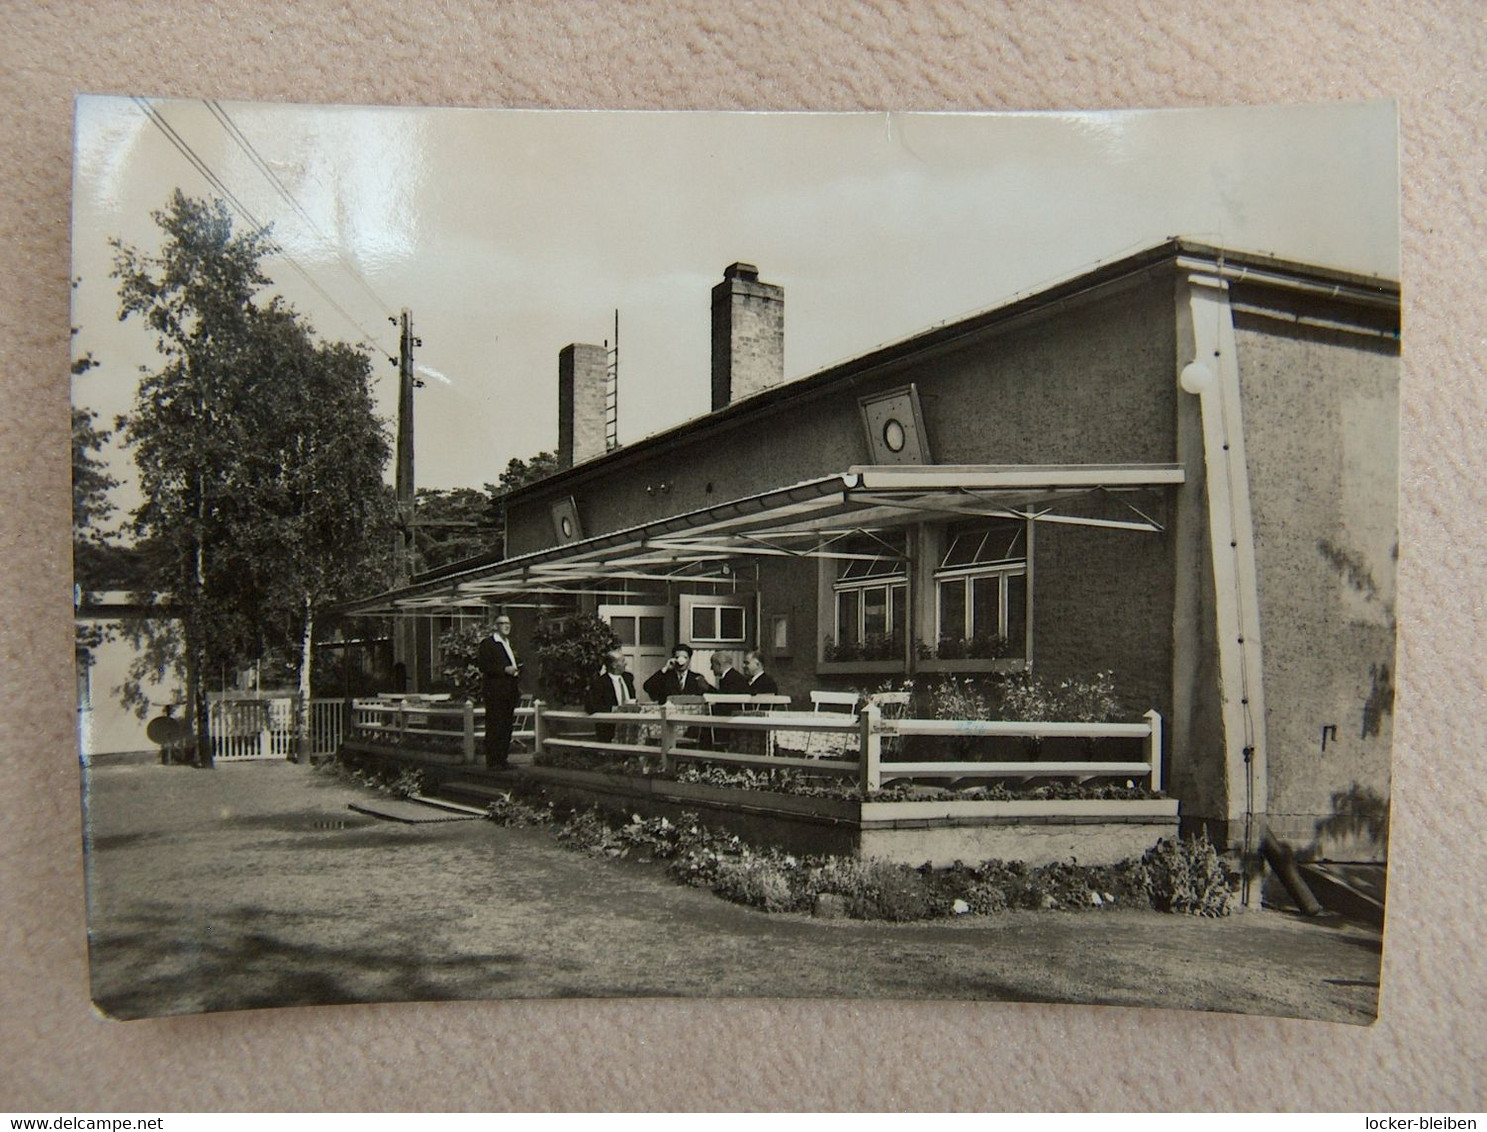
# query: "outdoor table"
812,744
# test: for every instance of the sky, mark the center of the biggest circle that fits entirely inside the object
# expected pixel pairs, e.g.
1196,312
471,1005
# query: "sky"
510,233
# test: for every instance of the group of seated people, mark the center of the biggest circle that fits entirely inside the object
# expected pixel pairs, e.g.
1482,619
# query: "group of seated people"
614,688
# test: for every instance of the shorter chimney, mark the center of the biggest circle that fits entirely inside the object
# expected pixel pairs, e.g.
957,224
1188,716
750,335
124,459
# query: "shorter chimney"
583,377
748,335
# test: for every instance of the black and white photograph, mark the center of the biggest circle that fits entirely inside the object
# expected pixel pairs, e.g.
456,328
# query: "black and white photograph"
535,554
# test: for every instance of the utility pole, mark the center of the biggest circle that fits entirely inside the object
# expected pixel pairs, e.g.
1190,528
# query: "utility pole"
405,635
407,383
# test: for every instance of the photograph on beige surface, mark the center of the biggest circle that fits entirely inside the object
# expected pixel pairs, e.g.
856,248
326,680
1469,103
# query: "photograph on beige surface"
1019,627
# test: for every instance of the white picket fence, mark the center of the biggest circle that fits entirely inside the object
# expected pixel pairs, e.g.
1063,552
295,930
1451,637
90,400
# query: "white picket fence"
264,727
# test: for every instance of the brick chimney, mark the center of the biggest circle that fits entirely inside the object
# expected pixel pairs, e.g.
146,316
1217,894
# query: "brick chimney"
583,374
748,335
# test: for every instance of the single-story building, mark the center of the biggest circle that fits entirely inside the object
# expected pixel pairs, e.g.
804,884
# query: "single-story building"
1179,468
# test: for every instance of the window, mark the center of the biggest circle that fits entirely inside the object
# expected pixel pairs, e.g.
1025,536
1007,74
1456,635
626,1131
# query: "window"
981,593
871,597
710,620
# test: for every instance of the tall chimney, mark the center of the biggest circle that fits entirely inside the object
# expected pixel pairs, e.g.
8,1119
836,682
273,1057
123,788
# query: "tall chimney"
583,375
748,335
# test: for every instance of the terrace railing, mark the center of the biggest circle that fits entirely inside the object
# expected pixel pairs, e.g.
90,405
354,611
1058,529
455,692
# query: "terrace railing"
660,736
680,737
429,723
875,770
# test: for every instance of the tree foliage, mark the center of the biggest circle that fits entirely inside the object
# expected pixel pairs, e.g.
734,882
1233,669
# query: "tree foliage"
458,524
570,653
259,452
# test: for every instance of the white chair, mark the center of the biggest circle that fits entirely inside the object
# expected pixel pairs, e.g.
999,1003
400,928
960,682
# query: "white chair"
832,703
833,700
892,705
770,701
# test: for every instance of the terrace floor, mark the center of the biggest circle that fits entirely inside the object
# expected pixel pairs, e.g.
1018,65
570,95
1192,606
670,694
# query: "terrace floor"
254,885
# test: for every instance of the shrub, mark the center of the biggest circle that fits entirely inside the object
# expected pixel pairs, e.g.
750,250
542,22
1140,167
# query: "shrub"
1037,699
570,652
758,881
964,698
458,648
1187,876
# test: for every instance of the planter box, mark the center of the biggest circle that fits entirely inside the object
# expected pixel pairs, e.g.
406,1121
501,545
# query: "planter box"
1143,810
1040,833
818,809
861,668
957,666
416,755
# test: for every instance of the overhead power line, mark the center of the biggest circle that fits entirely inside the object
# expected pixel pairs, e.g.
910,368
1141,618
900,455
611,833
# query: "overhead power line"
235,132
180,143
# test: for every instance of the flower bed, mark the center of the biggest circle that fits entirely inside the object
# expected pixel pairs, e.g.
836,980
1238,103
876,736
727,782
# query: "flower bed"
1176,876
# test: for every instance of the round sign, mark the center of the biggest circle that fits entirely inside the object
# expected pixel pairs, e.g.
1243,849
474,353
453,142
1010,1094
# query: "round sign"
166,729
894,435
567,525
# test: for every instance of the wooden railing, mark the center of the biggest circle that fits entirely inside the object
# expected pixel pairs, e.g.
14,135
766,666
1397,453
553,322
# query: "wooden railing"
670,727
634,733
874,769
404,721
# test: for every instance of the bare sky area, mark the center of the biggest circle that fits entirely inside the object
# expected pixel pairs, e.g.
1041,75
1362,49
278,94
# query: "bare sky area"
510,234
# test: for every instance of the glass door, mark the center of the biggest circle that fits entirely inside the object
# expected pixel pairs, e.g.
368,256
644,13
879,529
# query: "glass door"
645,637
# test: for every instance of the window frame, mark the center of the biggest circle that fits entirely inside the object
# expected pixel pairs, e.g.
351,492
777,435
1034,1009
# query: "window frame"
692,602
1000,570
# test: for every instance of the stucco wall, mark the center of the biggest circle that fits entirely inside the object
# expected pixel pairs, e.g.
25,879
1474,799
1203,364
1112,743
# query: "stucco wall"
106,726
1321,431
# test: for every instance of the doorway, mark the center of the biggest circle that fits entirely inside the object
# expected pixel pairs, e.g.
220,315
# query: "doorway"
644,632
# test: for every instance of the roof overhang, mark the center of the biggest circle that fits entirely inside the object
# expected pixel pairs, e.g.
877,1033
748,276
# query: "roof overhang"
806,520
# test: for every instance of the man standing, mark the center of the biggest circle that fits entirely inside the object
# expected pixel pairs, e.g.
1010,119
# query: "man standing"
730,681
611,690
501,691
677,678
761,683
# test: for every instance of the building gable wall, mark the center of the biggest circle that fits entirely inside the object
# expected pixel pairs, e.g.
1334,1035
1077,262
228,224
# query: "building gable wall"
1321,429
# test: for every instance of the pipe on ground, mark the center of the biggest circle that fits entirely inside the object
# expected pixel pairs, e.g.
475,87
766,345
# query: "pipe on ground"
1282,859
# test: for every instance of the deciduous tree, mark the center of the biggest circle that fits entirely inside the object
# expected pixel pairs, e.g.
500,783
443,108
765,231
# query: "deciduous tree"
259,453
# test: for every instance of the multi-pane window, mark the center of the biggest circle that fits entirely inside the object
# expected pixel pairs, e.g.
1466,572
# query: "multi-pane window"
981,591
871,595
714,622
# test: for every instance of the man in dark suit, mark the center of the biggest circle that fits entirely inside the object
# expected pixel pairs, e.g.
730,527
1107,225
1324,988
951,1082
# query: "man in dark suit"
677,678
611,690
500,690
729,680
761,683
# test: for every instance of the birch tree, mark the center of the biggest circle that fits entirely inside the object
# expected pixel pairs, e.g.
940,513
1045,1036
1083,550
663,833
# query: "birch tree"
259,454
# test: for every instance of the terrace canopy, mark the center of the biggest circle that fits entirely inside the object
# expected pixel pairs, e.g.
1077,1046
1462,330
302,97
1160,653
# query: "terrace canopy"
818,518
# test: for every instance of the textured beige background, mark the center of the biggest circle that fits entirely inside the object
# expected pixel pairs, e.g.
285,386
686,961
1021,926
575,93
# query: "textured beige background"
1428,1051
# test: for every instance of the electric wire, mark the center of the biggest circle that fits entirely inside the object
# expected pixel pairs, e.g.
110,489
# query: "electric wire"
217,184
235,132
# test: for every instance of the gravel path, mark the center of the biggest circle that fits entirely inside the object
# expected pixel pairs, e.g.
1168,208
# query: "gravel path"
254,885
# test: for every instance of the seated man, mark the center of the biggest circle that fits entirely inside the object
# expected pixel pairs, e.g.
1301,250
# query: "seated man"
677,678
611,690
761,683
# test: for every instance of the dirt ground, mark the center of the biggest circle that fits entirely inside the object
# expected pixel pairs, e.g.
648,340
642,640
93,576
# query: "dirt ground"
254,885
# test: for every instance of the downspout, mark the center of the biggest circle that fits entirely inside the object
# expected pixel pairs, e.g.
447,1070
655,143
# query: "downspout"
1213,377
